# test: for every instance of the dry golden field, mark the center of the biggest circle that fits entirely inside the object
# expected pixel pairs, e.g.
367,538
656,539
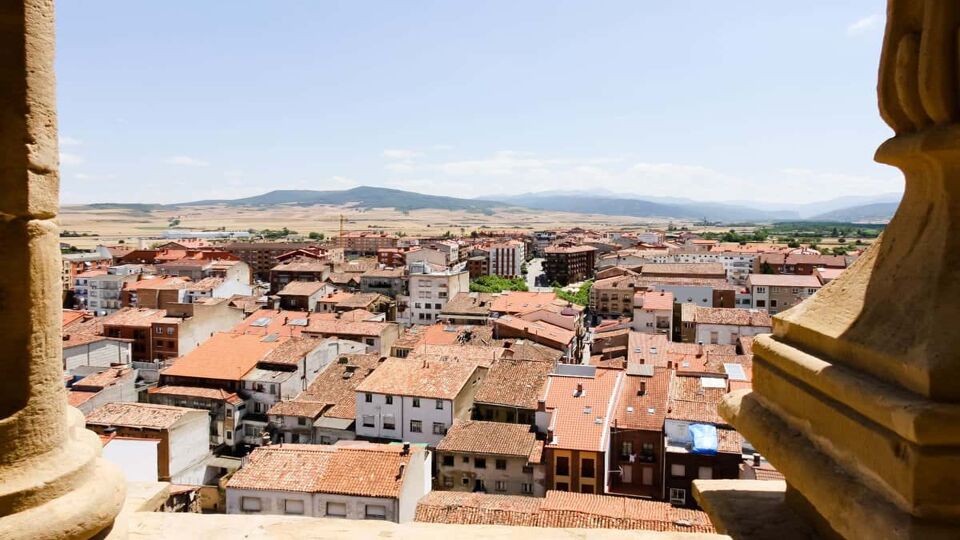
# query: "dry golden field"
110,225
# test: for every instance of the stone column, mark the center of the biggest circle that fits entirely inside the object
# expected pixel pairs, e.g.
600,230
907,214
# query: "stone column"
53,484
856,394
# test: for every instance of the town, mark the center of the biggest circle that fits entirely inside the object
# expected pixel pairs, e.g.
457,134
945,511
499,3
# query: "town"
542,378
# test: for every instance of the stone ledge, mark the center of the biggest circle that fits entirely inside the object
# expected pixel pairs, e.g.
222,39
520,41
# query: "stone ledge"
751,509
846,504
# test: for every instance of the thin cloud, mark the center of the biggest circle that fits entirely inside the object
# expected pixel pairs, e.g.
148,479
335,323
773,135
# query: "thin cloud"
187,161
67,158
861,26
400,153
70,141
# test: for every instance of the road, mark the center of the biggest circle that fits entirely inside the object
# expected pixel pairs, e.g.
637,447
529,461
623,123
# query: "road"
534,269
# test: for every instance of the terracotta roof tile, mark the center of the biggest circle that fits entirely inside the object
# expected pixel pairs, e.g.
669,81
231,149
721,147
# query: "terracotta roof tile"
646,411
731,316
560,509
302,288
335,386
489,438
574,417
224,356
146,415
689,400
427,379
514,383
366,470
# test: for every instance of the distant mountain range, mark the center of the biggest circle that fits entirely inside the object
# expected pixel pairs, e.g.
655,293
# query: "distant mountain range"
363,197
876,212
878,208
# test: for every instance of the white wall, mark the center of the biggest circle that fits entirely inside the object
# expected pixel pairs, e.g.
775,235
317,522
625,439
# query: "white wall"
189,445
137,458
689,294
101,353
403,412
725,332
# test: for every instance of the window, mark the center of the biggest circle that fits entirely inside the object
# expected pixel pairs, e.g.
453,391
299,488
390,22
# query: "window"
375,511
292,506
416,426
773,303
389,422
368,420
439,405
626,448
501,464
368,398
563,466
160,331
416,402
678,470
761,303
466,459
678,496
714,338
501,485
448,460
439,428
563,486
705,473
250,504
389,400
647,449
301,421
465,481
337,509
760,289
526,488
448,481
369,341
480,463
587,468
416,305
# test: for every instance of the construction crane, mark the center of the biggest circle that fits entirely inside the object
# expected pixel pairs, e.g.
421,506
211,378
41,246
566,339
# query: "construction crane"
340,238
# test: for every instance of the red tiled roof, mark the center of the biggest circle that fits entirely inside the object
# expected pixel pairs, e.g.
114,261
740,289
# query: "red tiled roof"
653,300
689,400
514,383
365,470
560,509
644,411
489,438
427,379
573,418
223,357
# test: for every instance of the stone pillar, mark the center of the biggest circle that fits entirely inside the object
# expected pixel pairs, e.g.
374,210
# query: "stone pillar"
53,483
856,394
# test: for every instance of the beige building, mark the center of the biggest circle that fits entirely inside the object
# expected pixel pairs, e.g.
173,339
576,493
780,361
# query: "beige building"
491,457
779,292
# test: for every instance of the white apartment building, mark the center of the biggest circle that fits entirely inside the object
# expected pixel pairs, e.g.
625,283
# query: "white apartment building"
506,258
429,294
101,294
416,400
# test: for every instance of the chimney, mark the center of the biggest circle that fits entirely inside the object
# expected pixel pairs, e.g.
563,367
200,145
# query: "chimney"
669,364
643,388
756,460
406,449
699,349
285,318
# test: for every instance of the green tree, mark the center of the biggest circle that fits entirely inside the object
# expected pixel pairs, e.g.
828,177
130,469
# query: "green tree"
495,284
581,297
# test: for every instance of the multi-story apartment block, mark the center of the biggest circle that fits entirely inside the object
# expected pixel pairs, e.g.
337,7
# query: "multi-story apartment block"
568,263
390,282
101,294
576,415
364,243
409,399
507,258
613,297
491,457
186,326
298,269
636,436
262,256
778,292
429,292
78,263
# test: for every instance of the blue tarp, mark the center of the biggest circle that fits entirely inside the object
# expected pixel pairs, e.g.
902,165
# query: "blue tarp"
704,438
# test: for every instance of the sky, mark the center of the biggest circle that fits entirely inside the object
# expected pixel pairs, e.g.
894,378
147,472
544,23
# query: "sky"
757,100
